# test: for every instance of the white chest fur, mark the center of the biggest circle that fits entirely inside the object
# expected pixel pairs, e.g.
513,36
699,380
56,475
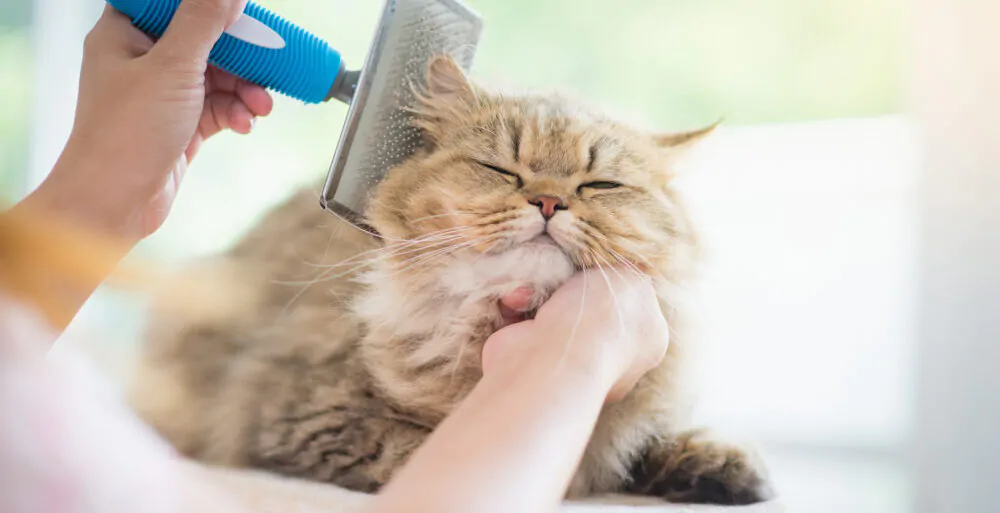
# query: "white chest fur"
426,329
425,299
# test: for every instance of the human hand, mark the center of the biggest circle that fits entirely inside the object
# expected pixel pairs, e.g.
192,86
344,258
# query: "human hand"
608,323
144,109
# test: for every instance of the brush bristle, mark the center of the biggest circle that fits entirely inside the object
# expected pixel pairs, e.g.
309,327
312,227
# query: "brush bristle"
379,133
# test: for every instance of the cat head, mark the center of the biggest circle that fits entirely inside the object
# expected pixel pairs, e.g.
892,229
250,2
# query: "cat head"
499,173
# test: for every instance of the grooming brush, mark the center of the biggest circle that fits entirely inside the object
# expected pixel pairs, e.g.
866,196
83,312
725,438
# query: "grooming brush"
264,49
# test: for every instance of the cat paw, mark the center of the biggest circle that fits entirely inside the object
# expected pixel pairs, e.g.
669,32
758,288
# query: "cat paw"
693,468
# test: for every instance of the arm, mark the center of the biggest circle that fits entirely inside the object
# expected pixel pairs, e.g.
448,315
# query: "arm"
144,110
515,442
512,445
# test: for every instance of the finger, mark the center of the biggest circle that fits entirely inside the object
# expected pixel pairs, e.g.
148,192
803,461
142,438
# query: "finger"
215,114
515,303
518,299
241,120
114,32
219,80
193,146
505,346
255,97
195,28
622,388
224,111
510,316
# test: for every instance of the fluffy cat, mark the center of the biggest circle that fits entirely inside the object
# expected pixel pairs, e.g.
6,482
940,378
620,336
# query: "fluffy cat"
354,347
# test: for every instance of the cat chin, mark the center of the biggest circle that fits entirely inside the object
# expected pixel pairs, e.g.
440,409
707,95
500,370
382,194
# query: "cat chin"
539,263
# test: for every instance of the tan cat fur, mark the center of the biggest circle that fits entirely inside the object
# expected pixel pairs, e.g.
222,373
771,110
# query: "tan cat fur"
357,346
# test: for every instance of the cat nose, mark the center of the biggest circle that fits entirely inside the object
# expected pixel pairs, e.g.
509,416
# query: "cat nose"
548,204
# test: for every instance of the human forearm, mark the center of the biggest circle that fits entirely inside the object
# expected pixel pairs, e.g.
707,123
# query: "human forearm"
60,259
133,137
512,445
516,440
84,188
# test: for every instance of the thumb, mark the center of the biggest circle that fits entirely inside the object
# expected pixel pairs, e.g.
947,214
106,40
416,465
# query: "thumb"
195,28
113,33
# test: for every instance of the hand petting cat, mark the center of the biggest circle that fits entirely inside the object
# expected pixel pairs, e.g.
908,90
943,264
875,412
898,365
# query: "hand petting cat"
69,401
611,322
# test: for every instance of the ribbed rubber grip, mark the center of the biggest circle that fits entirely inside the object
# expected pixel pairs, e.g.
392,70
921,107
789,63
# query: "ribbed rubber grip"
305,68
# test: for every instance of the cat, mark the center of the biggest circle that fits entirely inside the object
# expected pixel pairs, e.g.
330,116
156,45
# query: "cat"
353,347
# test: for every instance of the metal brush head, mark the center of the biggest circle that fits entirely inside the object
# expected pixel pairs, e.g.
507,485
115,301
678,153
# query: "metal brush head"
378,133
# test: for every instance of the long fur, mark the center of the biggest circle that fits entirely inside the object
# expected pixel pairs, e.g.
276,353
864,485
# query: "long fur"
358,346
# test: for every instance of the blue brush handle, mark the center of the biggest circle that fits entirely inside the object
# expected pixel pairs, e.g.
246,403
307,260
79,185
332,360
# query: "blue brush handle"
306,68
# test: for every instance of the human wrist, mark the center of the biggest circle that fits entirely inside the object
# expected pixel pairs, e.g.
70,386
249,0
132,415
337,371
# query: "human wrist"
530,346
73,191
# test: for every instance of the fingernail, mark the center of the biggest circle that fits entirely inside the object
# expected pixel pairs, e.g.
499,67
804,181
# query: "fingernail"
253,123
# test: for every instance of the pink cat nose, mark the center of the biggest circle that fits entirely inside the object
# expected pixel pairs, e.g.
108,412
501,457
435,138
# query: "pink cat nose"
548,204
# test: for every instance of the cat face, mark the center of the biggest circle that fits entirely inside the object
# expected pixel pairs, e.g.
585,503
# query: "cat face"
500,174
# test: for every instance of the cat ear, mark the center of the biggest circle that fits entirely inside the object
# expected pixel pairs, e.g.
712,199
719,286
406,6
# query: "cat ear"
445,98
681,141
446,80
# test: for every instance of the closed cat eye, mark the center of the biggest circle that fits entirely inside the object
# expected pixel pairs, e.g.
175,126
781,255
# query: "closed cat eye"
601,185
520,182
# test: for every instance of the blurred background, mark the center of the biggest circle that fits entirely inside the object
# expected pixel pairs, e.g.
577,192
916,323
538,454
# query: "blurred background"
807,198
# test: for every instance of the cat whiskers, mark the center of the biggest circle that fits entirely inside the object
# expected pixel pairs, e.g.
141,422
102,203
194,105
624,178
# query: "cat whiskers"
441,253
484,218
369,233
576,325
617,260
675,292
431,240
438,216
429,247
620,260
411,246
614,297
362,230
618,257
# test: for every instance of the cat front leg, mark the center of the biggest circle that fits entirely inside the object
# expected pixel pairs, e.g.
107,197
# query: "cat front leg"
356,448
694,468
